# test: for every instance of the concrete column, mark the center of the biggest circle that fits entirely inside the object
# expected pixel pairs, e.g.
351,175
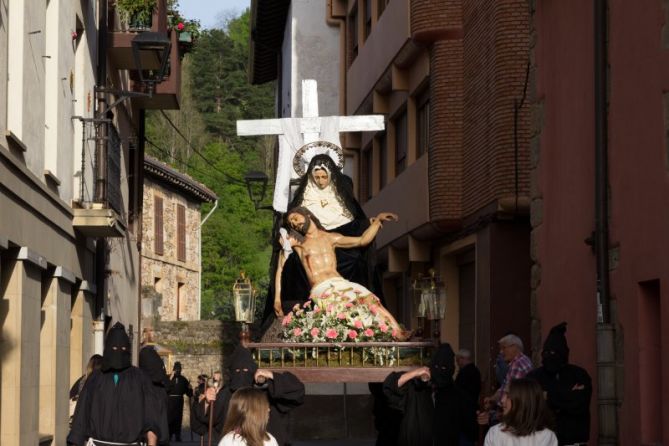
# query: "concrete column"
81,333
20,348
54,355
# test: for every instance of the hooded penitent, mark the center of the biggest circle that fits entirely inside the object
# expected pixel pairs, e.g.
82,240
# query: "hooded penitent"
117,349
153,365
443,366
556,352
242,368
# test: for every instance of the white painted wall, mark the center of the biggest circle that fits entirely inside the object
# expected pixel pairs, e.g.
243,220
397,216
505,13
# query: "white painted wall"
310,51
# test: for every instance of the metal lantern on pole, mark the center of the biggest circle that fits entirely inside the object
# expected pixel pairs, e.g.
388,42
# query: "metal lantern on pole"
151,52
245,304
431,302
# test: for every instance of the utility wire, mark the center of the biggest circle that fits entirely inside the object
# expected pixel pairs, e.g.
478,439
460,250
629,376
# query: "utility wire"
190,166
211,163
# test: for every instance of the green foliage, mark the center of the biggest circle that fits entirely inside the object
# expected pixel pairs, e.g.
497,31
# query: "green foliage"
137,13
216,93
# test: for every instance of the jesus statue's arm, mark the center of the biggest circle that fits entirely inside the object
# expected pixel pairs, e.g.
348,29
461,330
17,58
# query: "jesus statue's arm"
340,241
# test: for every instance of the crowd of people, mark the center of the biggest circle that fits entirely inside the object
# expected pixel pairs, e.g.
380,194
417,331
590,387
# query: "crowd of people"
117,403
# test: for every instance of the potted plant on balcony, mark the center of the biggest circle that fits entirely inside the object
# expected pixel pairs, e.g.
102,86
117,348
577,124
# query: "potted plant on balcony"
136,14
188,30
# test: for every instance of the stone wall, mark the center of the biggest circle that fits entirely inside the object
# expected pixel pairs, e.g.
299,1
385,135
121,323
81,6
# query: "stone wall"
169,275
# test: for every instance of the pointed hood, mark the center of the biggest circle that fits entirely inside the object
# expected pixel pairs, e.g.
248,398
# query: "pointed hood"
117,349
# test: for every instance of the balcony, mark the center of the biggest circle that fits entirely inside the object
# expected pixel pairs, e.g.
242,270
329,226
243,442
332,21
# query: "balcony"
121,34
98,212
168,93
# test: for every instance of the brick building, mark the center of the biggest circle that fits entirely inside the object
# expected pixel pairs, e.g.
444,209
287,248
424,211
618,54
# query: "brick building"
453,162
617,103
171,252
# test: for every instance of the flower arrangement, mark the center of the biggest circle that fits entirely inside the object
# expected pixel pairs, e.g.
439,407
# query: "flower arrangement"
334,317
189,30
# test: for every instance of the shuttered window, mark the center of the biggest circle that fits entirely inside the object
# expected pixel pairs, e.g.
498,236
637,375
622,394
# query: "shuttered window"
181,233
158,225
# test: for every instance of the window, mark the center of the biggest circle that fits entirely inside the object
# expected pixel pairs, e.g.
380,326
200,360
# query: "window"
158,225
181,233
400,142
353,34
366,173
179,303
383,160
368,18
422,123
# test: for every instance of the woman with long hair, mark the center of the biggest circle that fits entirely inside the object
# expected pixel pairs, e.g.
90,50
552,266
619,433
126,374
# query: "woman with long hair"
246,421
526,419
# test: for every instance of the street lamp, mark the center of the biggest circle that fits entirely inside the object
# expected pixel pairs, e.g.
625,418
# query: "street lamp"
151,52
256,184
245,305
431,302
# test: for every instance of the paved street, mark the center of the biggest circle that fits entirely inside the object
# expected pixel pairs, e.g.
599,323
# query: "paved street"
196,442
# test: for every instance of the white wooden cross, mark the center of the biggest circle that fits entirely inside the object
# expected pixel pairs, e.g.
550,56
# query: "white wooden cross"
295,132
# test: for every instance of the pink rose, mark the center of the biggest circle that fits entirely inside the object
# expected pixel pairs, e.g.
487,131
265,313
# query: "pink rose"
297,331
352,334
180,26
341,316
287,319
369,332
331,333
330,308
383,327
307,304
317,309
349,305
374,309
315,332
357,323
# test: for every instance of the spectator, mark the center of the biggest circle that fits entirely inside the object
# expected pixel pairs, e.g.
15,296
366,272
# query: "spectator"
568,389
511,348
94,363
246,422
525,417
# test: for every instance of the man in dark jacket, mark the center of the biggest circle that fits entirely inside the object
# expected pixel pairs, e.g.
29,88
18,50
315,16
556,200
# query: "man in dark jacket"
176,389
284,392
568,388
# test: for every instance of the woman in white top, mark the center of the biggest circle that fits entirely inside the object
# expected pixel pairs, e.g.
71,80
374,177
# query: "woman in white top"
525,418
246,421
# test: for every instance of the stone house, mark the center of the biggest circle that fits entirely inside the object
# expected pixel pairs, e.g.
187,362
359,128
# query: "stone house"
171,251
71,150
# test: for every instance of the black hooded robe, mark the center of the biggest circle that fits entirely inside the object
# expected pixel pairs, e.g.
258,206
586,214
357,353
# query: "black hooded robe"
178,387
414,401
199,416
284,393
152,364
568,388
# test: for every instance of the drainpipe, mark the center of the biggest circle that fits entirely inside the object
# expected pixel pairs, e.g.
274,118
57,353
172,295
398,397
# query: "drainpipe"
606,366
100,104
199,274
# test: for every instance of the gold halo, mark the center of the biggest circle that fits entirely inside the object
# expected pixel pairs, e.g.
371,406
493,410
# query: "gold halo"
305,153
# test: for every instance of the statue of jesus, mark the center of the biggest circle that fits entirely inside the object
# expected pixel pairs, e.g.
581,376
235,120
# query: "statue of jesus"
316,249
